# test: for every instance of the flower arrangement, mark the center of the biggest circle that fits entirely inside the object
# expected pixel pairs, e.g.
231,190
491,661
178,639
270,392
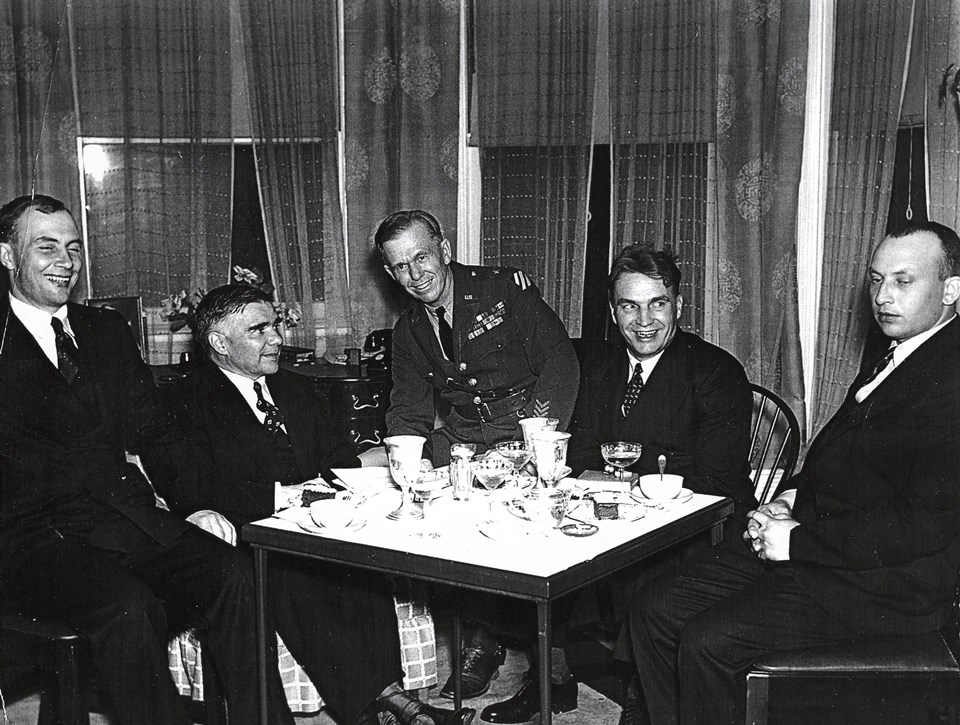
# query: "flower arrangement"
180,309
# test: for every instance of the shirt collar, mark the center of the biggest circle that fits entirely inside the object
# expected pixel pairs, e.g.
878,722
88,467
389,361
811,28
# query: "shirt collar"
905,348
36,320
646,365
243,383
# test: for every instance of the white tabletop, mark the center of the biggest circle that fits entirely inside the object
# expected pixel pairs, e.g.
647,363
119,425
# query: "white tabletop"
466,532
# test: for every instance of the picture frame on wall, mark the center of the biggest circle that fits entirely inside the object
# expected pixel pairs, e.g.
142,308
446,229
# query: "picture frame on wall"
130,309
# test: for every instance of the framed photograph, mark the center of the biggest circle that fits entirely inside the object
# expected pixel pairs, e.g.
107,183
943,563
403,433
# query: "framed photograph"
131,310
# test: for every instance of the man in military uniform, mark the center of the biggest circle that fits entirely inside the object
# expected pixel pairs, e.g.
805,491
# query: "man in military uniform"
481,341
476,352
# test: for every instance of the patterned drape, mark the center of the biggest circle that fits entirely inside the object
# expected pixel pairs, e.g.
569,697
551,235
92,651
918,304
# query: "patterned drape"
663,71
943,119
158,213
534,81
761,51
868,76
38,136
401,99
291,62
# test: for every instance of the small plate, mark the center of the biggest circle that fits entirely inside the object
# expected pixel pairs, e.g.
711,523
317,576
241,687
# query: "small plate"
685,495
579,529
311,528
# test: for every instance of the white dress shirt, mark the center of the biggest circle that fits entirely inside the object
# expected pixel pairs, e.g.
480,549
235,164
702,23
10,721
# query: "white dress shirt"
646,366
38,324
245,386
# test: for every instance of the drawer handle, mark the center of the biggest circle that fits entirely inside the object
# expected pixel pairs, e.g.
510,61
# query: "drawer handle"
374,404
373,441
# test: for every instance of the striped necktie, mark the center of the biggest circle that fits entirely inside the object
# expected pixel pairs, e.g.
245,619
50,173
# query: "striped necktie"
68,357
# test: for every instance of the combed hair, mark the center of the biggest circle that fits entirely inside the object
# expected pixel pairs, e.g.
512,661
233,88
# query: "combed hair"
222,302
400,221
949,241
644,259
12,212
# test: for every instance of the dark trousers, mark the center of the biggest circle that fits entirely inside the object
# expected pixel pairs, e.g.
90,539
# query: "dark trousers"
696,634
116,600
341,626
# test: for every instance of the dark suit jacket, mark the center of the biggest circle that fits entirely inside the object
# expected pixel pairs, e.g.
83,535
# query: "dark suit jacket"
694,409
878,498
234,455
62,447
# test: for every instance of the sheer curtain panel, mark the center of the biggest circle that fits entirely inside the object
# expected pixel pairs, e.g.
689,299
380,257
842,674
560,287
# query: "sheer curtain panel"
534,74
291,62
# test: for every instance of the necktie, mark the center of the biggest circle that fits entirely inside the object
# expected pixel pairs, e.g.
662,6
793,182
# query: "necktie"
446,333
274,418
880,366
632,394
68,357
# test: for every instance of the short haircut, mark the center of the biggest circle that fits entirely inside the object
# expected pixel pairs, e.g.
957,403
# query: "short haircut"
949,242
400,221
644,259
222,302
12,212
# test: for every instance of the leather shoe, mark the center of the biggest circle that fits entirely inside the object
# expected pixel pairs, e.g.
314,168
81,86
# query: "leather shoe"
477,667
398,706
526,703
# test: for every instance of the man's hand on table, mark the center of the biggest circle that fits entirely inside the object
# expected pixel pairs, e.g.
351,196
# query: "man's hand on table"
216,524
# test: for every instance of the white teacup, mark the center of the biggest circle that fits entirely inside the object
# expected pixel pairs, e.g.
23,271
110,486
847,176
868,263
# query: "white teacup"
661,488
332,513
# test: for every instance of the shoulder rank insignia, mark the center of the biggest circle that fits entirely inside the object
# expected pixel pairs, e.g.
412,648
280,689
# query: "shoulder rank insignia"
521,280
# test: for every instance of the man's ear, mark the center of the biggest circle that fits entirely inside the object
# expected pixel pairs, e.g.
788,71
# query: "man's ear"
8,256
446,251
679,306
951,291
217,342
390,272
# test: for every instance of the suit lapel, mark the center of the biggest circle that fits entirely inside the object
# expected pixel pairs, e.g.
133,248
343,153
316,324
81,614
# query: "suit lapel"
664,392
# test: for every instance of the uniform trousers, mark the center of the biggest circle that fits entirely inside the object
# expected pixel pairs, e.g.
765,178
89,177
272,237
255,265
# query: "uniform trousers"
695,635
116,600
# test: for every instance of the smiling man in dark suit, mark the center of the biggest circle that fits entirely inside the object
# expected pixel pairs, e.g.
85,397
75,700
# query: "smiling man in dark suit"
81,537
252,424
672,392
863,541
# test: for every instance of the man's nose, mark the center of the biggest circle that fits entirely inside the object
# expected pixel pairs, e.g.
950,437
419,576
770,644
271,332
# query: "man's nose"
416,271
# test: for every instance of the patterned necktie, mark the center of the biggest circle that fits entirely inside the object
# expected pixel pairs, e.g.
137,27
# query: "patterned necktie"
274,418
68,357
634,387
446,333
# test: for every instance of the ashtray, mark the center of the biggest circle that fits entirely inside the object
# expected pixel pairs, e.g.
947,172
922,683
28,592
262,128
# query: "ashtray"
579,529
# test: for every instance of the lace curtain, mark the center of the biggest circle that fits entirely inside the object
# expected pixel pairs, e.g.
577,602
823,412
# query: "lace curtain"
291,63
871,53
401,101
534,85
663,74
153,79
38,136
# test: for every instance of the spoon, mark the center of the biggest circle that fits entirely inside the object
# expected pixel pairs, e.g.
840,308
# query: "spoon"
662,464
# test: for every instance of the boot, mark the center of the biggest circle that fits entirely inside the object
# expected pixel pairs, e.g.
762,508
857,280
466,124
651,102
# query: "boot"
410,711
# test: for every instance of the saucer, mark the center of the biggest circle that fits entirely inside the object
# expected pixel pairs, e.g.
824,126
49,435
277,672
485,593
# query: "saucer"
685,495
503,531
311,528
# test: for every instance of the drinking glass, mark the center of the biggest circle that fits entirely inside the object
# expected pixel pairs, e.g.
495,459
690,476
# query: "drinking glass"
491,472
517,453
531,426
550,450
549,506
427,488
621,455
404,453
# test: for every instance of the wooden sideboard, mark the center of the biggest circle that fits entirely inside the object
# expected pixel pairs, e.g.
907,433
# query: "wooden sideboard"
357,398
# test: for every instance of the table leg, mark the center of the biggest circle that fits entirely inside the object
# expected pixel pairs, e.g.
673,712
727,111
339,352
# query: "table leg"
260,579
543,637
455,658
716,534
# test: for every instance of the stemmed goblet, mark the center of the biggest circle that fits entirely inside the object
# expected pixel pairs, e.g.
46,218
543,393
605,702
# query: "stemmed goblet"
550,450
404,453
491,472
621,455
517,453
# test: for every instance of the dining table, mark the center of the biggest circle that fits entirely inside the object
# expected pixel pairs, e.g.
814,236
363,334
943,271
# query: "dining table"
489,543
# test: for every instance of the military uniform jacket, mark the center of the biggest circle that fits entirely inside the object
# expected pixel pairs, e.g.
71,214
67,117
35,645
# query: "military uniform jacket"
512,360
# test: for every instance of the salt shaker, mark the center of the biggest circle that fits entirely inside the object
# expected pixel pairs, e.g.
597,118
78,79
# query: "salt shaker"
461,475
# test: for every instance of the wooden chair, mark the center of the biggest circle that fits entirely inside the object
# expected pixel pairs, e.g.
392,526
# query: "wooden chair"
774,442
880,680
